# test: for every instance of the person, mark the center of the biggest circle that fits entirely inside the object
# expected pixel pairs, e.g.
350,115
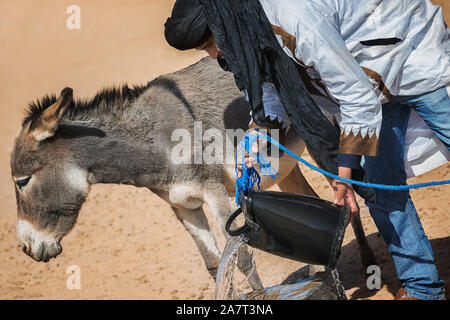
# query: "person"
380,70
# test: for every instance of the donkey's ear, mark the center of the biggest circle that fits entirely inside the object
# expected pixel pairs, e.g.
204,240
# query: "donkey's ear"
47,123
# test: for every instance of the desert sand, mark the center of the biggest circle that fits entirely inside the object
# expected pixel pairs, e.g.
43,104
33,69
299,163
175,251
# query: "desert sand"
127,242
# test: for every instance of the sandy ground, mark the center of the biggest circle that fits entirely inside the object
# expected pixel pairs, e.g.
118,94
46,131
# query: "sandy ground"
127,242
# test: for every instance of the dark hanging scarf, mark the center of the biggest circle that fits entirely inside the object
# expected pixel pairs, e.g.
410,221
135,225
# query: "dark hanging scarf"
244,34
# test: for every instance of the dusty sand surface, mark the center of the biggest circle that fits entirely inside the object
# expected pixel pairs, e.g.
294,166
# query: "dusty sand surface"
127,242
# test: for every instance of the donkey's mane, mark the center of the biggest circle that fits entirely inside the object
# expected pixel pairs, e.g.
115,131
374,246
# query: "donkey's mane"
106,97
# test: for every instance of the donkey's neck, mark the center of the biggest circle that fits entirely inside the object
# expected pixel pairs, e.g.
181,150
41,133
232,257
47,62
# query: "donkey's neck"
114,154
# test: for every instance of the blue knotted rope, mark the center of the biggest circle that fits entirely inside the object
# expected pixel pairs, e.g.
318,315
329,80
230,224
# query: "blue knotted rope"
250,176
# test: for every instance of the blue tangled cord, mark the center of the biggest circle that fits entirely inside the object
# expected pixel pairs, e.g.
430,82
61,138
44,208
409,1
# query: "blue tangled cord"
250,176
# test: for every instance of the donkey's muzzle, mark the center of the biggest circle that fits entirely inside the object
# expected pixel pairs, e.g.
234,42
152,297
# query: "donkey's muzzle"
297,227
39,245
43,251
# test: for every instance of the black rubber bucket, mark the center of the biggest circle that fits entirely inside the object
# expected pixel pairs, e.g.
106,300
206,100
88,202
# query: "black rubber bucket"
293,226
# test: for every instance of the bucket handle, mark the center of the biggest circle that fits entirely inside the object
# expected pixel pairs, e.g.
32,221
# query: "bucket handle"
230,220
249,223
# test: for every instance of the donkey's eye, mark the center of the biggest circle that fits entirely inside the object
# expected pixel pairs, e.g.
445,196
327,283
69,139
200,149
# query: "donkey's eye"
22,182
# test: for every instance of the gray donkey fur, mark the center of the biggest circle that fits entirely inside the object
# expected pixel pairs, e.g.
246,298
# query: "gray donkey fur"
124,137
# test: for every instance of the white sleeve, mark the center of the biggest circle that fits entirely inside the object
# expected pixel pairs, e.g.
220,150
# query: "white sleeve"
323,48
273,108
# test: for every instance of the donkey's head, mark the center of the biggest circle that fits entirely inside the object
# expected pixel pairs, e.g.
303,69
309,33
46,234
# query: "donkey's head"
50,187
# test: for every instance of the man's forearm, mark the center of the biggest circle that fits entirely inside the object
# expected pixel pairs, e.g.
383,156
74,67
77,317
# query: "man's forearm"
345,172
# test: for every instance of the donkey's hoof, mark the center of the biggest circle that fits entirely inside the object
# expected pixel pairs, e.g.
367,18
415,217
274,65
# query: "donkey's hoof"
213,272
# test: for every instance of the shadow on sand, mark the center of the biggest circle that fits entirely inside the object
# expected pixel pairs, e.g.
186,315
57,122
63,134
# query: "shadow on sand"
353,275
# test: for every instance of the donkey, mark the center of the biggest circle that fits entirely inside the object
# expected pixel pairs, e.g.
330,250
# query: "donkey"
124,136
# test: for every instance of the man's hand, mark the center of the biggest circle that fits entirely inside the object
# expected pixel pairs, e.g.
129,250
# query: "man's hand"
343,192
247,158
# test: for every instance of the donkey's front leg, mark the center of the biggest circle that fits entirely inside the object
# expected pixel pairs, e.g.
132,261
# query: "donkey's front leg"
196,223
217,201
295,182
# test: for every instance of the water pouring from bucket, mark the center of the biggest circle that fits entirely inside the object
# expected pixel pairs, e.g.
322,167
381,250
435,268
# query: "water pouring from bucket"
299,285
227,286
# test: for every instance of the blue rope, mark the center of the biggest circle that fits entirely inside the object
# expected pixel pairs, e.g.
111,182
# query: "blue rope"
250,175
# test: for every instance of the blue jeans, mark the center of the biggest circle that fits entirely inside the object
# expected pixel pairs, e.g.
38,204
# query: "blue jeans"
434,108
393,211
